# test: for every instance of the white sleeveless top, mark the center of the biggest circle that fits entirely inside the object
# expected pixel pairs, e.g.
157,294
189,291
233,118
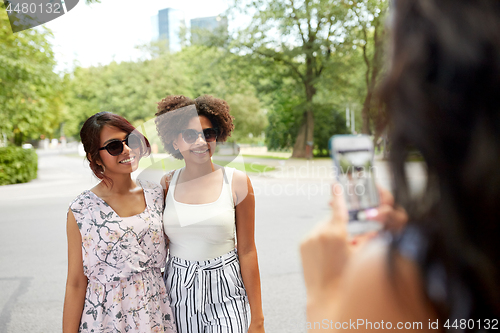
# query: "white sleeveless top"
200,231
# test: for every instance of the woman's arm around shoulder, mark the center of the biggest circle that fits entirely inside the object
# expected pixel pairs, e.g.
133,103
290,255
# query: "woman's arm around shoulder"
76,284
247,252
165,182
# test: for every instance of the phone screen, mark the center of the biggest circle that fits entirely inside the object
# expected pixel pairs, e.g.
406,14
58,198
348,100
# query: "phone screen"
353,156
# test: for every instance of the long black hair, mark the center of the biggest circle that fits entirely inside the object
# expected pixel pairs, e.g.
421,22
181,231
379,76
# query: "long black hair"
442,92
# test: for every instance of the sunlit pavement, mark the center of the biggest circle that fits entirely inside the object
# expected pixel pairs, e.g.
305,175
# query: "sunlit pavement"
33,244
289,202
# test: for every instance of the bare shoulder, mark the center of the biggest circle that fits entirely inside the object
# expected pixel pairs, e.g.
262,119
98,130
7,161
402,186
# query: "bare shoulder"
242,185
71,217
375,290
240,179
73,228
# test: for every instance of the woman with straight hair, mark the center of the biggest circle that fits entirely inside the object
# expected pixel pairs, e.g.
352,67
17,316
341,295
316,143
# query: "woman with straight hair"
442,271
116,244
210,283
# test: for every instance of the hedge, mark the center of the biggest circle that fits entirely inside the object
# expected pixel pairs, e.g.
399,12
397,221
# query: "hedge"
17,165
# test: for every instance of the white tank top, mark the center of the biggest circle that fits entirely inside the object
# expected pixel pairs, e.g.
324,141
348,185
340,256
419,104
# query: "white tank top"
200,231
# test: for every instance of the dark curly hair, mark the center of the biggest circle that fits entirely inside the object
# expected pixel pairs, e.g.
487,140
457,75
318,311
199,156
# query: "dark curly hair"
174,113
90,134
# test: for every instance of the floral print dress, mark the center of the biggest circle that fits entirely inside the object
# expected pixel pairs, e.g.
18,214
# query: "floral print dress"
122,258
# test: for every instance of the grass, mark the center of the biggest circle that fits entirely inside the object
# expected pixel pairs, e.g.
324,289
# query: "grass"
251,167
74,155
161,164
270,157
171,164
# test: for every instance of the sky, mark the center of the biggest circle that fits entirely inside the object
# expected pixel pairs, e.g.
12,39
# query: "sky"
89,35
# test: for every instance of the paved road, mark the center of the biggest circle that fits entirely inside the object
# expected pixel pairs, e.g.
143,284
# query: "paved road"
33,259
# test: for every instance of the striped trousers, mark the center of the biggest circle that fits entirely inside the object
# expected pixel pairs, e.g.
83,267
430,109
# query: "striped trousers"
208,296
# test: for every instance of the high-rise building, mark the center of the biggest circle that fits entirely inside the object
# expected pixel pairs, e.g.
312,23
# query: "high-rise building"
203,28
168,25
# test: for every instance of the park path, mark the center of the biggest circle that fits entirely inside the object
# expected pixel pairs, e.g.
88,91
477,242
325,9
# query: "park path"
33,244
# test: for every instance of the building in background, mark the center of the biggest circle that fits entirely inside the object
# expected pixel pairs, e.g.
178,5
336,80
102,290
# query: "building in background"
168,25
204,29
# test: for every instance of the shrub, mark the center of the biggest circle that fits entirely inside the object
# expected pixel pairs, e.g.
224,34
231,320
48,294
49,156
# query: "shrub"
17,165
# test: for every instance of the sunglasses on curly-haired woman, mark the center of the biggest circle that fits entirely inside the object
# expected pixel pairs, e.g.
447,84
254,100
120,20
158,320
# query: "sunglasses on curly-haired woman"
190,135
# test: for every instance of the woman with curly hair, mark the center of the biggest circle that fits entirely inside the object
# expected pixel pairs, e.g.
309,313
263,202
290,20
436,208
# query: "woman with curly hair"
212,286
116,245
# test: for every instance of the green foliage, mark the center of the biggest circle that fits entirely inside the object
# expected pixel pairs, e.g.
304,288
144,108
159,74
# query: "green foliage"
248,118
17,165
284,98
367,34
216,72
284,116
318,66
292,32
132,89
294,56
328,122
283,128
29,89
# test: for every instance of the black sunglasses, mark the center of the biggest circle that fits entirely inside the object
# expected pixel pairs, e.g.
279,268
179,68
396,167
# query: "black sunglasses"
115,147
190,135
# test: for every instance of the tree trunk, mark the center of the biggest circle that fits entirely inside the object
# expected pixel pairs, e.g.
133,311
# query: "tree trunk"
18,138
299,148
310,134
304,144
365,113
303,147
373,67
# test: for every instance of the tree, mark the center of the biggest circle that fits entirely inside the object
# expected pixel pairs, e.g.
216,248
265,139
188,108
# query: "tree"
283,96
132,89
214,71
368,33
29,91
302,35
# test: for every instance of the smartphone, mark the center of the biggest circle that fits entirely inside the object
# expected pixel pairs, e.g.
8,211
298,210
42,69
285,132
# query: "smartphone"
355,172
